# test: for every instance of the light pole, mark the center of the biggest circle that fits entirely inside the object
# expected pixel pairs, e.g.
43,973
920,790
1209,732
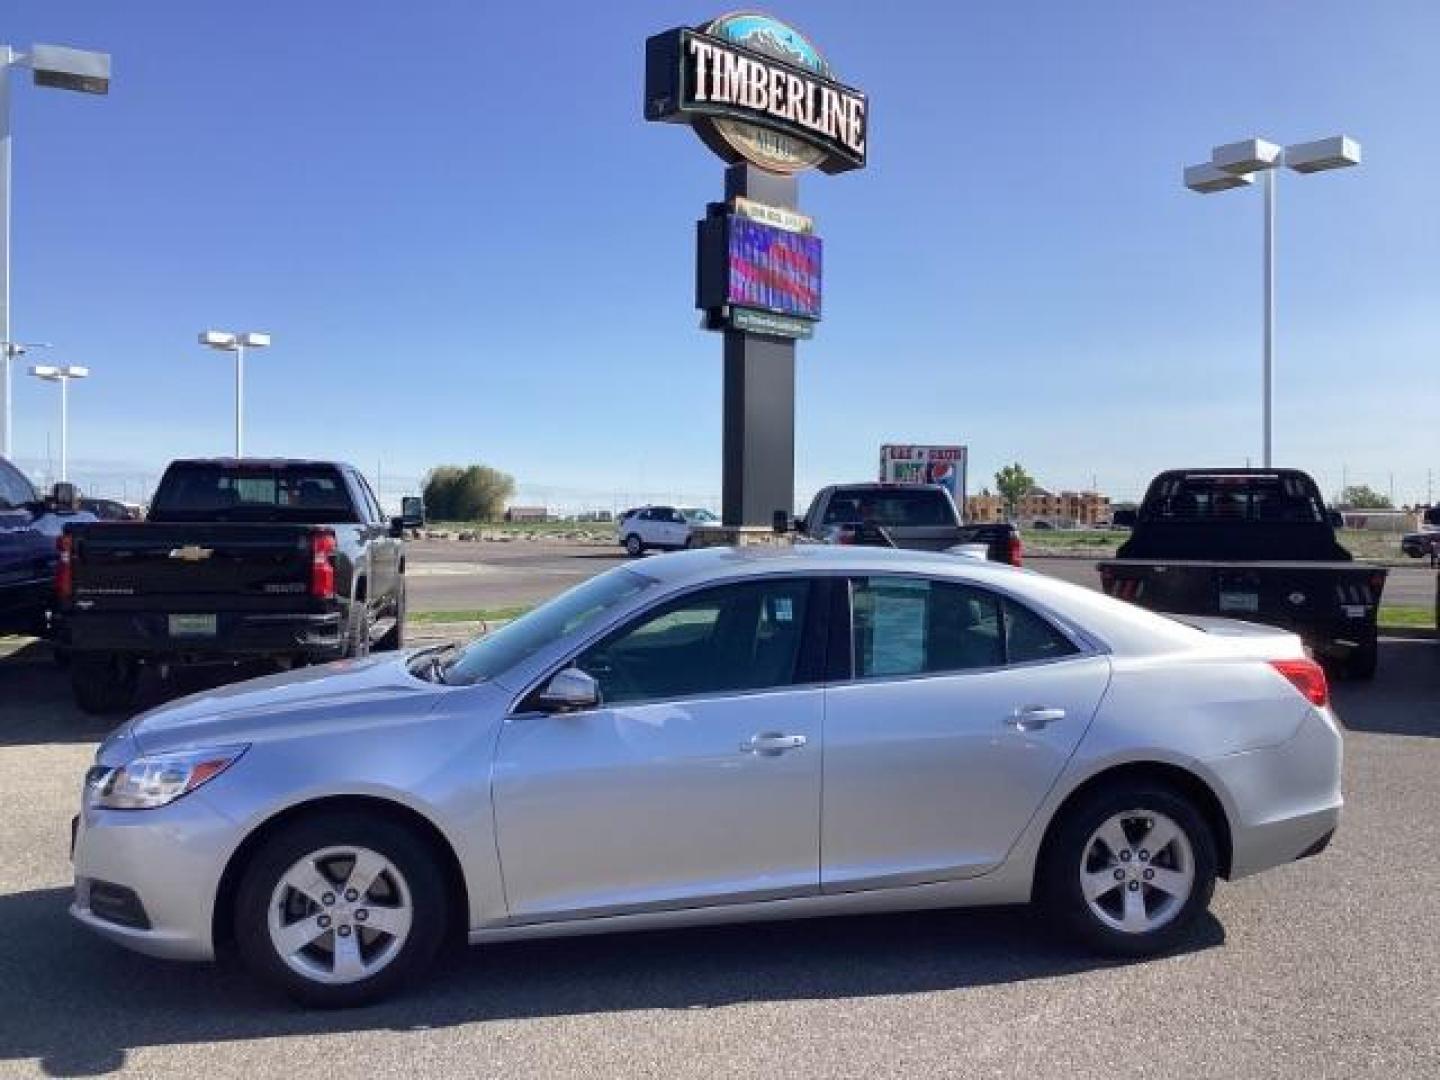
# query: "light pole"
62,375
1233,165
64,69
237,344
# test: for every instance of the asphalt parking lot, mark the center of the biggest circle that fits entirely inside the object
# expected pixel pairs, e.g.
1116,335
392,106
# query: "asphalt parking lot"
1327,968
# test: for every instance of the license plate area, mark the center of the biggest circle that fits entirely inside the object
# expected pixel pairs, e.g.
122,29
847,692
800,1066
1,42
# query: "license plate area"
192,626
1241,601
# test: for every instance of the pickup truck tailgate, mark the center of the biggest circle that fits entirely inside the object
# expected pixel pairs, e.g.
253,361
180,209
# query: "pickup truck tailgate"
196,564
1289,593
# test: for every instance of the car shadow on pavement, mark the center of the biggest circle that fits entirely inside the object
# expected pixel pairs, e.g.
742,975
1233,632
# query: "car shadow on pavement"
1410,704
79,1004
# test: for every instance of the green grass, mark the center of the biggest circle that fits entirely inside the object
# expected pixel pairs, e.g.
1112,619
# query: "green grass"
1406,617
500,614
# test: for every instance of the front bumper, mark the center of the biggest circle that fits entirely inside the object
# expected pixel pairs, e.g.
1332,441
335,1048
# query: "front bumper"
317,636
1285,799
171,858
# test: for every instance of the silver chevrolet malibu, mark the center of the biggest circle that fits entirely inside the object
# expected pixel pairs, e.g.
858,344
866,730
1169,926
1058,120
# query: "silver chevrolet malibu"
708,737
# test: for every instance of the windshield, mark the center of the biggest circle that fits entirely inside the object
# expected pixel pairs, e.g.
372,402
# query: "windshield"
488,656
697,516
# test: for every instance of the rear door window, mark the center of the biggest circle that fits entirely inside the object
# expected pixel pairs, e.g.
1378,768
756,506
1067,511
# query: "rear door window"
915,626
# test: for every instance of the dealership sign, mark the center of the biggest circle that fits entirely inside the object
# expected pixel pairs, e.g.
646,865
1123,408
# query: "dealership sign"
756,90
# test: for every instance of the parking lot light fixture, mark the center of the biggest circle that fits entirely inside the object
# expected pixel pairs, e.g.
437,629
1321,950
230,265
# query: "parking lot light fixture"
60,68
226,341
62,374
1234,165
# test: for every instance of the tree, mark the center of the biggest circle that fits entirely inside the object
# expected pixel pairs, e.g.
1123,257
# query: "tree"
469,493
1013,483
1364,497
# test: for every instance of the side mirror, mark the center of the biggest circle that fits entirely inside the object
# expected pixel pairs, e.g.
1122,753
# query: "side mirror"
570,689
1123,519
64,498
412,512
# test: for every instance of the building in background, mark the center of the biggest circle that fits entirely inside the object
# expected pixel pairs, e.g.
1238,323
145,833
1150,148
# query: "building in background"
1065,508
984,509
527,513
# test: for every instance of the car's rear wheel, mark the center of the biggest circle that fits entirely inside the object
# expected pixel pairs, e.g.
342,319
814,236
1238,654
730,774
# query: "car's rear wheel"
341,909
634,546
1129,869
103,683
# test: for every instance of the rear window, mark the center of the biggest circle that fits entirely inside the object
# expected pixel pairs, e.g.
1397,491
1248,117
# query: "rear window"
889,507
312,494
1228,498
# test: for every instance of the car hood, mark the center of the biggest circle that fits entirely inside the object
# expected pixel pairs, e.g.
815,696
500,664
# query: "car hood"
340,696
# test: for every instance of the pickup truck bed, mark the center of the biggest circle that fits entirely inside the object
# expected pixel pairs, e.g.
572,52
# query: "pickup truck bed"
1246,518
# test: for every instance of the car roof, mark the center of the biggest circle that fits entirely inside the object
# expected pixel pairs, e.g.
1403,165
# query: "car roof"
718,563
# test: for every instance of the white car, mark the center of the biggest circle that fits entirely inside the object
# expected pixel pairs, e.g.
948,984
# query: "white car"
663,528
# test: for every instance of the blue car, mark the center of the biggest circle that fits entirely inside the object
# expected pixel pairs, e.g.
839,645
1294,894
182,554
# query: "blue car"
29,527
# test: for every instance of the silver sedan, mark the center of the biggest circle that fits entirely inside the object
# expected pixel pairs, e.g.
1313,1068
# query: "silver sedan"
708,737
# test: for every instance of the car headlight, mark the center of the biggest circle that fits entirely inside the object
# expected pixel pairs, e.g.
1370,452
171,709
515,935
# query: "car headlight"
158,779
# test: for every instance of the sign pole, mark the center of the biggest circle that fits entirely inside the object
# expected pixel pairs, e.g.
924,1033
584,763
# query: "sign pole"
759,407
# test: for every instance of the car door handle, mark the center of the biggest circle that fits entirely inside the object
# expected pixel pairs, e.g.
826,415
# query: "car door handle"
772,743
1034,717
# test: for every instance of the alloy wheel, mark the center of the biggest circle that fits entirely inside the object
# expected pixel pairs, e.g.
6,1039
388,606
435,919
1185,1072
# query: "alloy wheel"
1137,871
340,915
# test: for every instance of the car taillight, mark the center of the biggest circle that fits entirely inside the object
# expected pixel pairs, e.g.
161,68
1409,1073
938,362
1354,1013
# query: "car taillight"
322,569
64,568
1306,676
1015,553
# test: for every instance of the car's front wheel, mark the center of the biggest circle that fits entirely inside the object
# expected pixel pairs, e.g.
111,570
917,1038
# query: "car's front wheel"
1129,869
634,546
340,909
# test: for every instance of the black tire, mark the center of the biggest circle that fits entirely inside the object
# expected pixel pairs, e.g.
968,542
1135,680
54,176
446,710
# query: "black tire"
394,638
634,546
408,851
1058,877
357,631
1364,659
103,683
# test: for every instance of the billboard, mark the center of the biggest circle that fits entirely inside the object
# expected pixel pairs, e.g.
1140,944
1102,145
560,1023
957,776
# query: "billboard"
911,464
773,269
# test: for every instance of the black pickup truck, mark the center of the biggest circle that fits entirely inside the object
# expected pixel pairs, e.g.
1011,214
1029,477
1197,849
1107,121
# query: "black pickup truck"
239,559
1253,544
920,517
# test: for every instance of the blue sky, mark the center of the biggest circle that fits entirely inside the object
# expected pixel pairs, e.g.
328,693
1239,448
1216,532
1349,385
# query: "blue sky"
469,246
